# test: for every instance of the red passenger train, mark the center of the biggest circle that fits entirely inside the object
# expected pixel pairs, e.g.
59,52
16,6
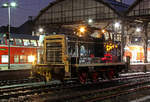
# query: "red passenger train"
23,51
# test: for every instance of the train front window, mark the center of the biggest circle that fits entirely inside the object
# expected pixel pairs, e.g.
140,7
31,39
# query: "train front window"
26,42
4,58
18,42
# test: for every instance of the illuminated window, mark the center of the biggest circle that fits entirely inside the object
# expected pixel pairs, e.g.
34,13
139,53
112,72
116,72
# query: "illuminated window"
11,41
4,58
23,59
33,43
2,41
31,58
82,51
26,42
16,59
18,42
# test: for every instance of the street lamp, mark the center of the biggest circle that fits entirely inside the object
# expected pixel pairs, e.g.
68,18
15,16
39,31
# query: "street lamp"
103,30
41,30
9,6
90,21
138,29
117,25
82,29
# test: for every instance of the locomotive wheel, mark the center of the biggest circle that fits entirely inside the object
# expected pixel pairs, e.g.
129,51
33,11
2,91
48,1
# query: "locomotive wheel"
104,75
83,77
95,77
111,74
116,74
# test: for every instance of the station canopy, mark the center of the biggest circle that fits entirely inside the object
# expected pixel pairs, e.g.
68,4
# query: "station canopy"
139,9
138,13
70,13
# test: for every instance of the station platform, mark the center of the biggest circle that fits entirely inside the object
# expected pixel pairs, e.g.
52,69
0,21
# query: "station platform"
14,74
16,71
15,66
139,67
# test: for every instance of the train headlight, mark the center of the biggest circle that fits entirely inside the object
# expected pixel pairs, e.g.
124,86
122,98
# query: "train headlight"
31,58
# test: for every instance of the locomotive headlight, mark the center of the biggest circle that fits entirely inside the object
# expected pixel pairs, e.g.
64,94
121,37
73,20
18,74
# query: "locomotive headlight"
31,58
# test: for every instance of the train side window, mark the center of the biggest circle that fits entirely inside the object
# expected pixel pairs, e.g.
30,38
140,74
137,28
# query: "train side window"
2,41
18,42
4,58
16,59
11,41
33,43
26,42
23,59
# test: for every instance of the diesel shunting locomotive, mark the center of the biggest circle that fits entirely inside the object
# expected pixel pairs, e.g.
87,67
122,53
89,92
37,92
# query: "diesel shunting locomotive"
71,56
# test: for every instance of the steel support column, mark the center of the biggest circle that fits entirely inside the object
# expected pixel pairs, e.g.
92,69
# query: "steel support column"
122,39
9,36
145,41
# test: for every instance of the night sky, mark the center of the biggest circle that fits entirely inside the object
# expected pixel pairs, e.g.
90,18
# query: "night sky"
25,8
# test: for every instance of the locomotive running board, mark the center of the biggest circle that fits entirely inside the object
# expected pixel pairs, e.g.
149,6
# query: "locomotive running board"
98,64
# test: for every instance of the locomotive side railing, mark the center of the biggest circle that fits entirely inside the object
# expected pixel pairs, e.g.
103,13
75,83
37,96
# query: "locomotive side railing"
54,49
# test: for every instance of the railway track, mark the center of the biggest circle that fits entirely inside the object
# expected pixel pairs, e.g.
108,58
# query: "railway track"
32,91
20,81
93,95
120,93
30,80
